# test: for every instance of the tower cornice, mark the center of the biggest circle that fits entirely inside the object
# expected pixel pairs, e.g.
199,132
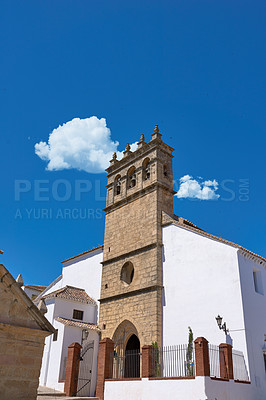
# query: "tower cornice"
139,153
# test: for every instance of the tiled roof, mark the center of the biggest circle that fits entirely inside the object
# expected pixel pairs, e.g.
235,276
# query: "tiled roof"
71,293
78,324
178,221
36,287
82,254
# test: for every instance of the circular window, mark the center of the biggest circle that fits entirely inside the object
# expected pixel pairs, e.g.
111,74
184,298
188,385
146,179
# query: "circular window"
127,273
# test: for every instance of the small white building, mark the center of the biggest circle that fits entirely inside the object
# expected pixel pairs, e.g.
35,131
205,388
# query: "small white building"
72,308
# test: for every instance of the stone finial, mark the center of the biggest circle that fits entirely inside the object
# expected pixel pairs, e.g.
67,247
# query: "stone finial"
156,134
42,307
19,280
142,141
127,151
114,159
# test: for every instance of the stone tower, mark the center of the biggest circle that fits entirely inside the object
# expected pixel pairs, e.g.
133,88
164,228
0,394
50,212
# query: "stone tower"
140,187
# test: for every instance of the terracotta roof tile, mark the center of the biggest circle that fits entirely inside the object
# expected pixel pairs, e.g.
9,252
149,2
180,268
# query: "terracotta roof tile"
71,293
78,324
36,287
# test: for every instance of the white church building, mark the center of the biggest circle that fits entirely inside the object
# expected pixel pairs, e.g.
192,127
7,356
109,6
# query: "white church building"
203,277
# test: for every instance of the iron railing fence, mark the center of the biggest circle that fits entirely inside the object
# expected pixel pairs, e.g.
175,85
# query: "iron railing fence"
214,357
173,361
239,366
217,364
125,364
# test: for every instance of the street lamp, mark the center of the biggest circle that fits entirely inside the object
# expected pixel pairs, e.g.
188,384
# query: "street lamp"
221,326
85,334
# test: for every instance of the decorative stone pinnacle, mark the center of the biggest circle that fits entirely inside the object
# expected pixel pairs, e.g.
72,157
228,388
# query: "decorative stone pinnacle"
127,151
19,280
156,134
141,141
42,307
114,159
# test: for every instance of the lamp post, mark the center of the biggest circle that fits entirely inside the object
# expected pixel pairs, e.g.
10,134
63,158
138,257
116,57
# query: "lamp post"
221,326
85,334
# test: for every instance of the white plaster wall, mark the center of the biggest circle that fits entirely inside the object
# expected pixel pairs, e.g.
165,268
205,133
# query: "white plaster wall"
201,280
85,272
151,390
197,389
218,390
30,292
46,352
53,370
55,285
64,308
255,319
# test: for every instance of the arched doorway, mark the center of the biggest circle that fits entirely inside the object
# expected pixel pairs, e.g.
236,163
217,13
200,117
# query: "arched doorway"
132,358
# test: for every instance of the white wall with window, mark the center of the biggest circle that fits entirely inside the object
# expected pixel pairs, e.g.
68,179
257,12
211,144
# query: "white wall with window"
202,278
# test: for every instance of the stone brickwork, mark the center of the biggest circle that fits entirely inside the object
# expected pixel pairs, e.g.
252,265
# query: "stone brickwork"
23,329
20,362
143,310
133,233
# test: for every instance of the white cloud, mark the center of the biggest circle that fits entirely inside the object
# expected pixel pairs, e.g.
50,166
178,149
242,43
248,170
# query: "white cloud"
191,188
83,144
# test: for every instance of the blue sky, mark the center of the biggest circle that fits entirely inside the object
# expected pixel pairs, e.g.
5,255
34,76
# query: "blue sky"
196,68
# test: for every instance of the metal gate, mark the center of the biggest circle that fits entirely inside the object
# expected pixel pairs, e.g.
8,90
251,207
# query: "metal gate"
85,370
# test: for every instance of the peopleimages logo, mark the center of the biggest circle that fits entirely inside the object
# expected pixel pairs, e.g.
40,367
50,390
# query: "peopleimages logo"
62,190
59,190
59,213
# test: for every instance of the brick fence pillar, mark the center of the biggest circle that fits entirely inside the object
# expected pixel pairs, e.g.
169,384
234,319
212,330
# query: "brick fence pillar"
106,348
226,361
148,361
72,369
202,357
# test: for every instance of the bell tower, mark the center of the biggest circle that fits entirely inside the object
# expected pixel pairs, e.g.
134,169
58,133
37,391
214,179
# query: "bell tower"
139,188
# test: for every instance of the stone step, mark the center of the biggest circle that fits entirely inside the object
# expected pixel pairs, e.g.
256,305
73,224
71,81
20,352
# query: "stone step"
46,393
55,396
